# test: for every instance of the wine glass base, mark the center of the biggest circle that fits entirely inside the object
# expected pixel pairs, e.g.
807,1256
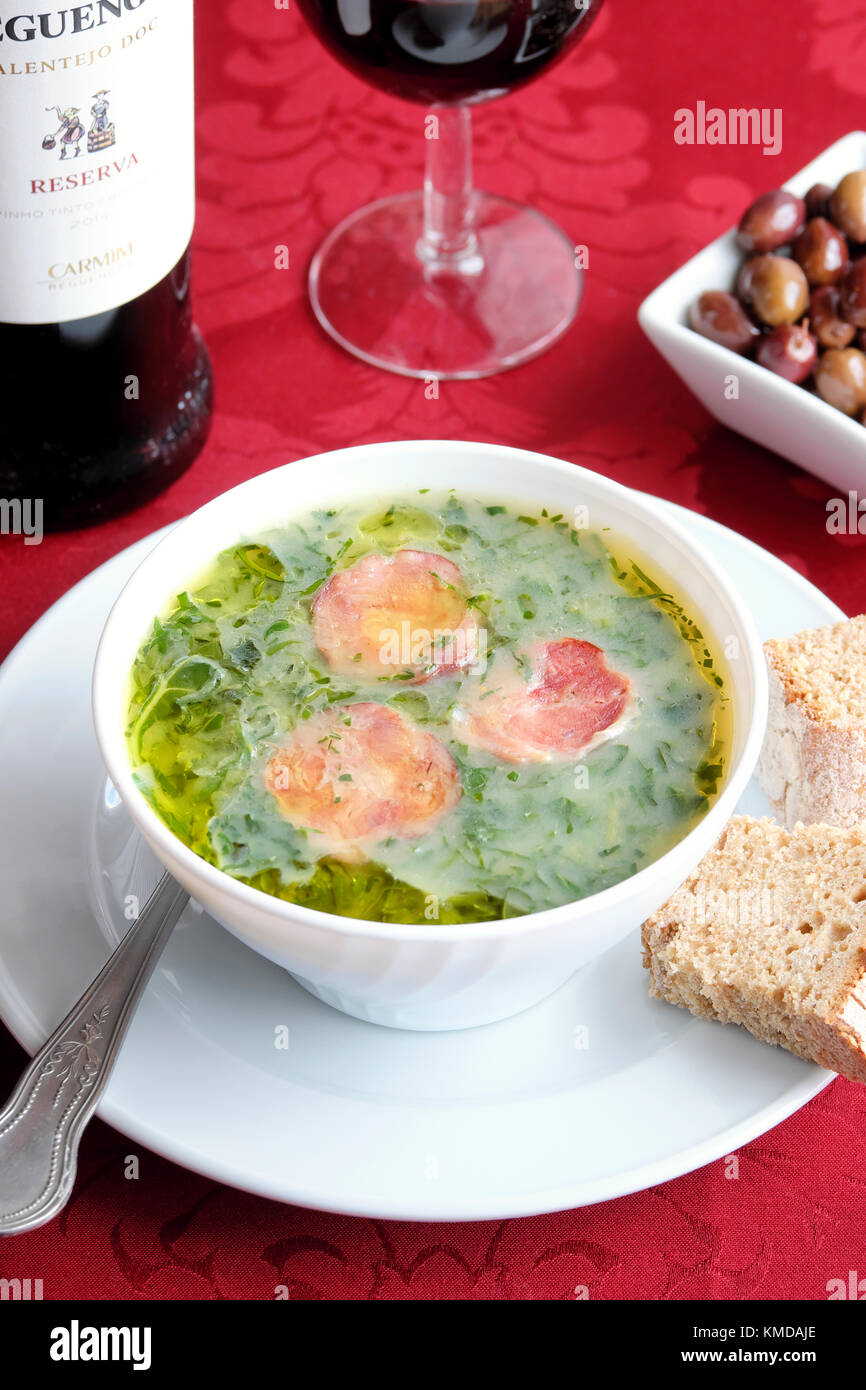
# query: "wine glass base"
383,302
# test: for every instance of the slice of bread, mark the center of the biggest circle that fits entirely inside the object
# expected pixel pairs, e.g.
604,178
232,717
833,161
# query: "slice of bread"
770,932
813,763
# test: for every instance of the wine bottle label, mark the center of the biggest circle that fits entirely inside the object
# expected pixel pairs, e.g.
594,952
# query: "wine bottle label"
97,186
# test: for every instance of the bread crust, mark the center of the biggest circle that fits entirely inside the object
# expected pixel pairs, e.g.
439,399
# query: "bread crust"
813,763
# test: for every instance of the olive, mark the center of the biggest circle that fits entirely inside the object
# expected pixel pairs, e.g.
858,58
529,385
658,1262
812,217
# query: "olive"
852,293
822,251
789,350
840,379
772,221
829,324
848,205
818,200
775,288
720,316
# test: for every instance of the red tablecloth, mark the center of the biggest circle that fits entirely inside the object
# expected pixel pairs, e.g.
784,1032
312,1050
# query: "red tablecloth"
289,143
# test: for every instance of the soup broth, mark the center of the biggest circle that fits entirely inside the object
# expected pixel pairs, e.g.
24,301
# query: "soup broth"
541,718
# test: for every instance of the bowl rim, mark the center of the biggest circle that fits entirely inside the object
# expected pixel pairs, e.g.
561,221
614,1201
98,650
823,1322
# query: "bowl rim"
653,317
111,741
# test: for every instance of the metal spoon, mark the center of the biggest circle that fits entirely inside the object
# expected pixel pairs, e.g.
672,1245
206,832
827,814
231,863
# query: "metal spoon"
42,1124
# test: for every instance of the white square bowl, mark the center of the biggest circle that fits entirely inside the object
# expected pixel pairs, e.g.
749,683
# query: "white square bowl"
794,422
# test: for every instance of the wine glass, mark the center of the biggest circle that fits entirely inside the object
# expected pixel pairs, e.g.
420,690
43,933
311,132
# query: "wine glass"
447,282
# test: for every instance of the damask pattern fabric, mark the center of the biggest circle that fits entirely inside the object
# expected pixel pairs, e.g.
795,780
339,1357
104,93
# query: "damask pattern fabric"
288,144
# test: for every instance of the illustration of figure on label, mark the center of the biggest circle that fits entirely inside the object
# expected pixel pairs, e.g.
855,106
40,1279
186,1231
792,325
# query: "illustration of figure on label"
73,131
101,132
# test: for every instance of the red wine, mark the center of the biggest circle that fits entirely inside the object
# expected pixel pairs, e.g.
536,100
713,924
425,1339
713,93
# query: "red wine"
77,434
448,50
106,389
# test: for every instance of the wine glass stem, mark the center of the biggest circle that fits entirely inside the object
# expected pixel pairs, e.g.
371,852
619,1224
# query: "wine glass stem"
449,241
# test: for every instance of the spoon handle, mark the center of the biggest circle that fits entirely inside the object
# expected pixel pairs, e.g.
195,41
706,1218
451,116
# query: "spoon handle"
42,1123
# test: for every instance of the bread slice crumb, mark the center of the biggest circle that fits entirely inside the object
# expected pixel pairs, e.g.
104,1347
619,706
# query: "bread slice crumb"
813,763
770,932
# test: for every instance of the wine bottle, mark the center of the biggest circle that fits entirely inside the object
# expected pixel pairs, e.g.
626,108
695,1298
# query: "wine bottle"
105,381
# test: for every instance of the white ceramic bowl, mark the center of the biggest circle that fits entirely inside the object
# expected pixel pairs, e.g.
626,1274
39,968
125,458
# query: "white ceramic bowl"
432,976
794,422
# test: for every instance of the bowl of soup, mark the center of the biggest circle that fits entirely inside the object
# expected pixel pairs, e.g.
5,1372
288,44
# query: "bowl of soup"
430,724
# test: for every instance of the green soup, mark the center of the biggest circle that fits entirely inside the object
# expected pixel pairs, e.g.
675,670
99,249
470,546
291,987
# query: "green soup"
231,669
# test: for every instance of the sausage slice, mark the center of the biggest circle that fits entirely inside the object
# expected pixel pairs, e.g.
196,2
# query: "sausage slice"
355,775
555,702
391,613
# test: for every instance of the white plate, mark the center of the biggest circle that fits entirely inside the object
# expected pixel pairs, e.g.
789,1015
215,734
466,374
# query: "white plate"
794,422
508,1120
